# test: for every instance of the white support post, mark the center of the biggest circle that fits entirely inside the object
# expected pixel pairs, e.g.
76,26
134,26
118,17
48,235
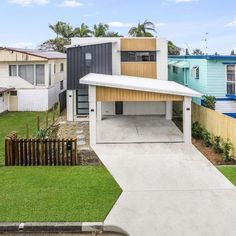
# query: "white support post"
99,110
169,105
92,115
187,126
70,105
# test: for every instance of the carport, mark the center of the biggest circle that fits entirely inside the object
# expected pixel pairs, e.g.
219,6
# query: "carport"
142,93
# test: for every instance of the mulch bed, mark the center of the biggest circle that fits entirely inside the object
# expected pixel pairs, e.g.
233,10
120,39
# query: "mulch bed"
208,152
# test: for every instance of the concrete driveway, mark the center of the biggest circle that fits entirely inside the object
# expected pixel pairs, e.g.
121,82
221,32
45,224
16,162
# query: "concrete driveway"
137,129
168,189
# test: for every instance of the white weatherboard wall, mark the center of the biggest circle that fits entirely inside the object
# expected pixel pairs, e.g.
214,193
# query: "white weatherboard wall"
4,102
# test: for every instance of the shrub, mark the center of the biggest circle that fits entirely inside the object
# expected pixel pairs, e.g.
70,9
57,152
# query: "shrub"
209,102
216,144
42,134
206,138
227,147
196,130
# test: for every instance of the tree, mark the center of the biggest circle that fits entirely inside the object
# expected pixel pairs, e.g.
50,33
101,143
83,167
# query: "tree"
197,52
173,49
232,52
82,31
100,30
142,29
60,28
57,44
113,34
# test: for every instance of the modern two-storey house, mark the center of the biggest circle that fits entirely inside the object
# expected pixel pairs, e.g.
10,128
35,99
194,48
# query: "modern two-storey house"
110,77
210,75
34,80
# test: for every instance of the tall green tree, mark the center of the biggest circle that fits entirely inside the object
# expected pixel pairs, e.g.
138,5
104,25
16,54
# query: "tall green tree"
82,31
100,30
144,29
197,52
57,44
59,28
173,49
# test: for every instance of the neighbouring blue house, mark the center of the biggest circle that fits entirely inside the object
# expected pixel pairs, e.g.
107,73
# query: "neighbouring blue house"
209,75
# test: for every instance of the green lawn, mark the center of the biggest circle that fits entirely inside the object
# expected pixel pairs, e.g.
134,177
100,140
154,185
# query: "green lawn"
229,173
56,193
80,193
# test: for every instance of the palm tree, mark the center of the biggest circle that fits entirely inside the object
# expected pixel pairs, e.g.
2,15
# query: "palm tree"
100,30
62,29
82,31
142,29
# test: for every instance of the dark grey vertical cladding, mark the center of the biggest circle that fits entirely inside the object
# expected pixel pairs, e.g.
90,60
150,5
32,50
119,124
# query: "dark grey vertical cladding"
76,63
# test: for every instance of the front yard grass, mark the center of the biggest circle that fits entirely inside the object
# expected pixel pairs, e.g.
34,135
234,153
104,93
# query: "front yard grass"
229,172
44,194
49,194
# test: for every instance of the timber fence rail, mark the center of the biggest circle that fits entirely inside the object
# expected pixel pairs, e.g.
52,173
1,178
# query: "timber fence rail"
40,152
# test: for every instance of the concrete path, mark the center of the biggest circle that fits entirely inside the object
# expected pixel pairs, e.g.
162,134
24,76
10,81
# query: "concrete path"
168,190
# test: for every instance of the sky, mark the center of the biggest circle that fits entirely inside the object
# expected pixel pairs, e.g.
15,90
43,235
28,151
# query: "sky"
24,23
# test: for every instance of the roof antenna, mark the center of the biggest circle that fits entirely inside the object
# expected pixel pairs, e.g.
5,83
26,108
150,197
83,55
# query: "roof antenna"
206,43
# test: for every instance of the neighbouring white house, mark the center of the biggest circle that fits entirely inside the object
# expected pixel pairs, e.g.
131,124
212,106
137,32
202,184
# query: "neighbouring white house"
4,98
38,78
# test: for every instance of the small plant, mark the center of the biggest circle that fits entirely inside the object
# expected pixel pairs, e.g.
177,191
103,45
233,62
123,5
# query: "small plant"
206,138
209,102
42,134
216,144
196,130
227,147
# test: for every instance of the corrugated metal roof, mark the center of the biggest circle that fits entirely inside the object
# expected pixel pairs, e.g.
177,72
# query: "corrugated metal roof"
5,89
139,84
39,53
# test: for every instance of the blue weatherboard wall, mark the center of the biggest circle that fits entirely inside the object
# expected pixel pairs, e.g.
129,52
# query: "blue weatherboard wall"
212,79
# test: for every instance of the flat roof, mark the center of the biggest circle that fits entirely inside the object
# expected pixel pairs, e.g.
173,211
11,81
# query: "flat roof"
207,57
38,53
139,84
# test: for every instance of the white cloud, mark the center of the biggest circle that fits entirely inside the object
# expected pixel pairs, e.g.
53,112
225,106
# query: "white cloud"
167,2
231,24
70,3
160,24
29,2
119,24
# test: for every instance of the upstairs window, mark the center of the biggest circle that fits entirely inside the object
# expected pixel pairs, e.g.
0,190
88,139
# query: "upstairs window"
26,72
230,80
137,56
62,67
88,59
12,70
61,84
195,72
40,75
175,69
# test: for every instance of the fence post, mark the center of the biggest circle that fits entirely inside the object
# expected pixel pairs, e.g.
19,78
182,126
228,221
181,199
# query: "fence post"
58,108
38,123
46,119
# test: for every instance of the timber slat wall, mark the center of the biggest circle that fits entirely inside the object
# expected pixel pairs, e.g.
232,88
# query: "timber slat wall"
216,123
139,69
35,152
138,44
105,94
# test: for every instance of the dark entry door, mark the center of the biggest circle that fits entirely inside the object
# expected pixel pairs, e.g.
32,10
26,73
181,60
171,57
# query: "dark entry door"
119,108
62,100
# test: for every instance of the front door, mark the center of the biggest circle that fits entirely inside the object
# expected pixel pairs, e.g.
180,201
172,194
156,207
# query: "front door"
119,108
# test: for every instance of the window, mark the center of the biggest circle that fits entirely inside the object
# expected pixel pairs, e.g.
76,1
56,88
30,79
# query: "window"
195,72
13,93
61,85
88,59
55,68
50,75
175,69
230,79
12,70
62,67
40,75
138,56
26,72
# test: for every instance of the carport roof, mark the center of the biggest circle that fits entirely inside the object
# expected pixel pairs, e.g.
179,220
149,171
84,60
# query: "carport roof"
139,84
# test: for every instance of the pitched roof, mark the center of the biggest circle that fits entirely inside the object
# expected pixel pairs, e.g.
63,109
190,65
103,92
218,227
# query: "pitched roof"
139,84
5,89
207,57
38,53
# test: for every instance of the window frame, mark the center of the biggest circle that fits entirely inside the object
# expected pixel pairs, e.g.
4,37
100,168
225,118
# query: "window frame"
196,72
62,67
44,74
9,70
135,56
230,81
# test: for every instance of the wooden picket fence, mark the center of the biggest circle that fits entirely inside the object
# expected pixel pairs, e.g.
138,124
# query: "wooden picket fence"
40,152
